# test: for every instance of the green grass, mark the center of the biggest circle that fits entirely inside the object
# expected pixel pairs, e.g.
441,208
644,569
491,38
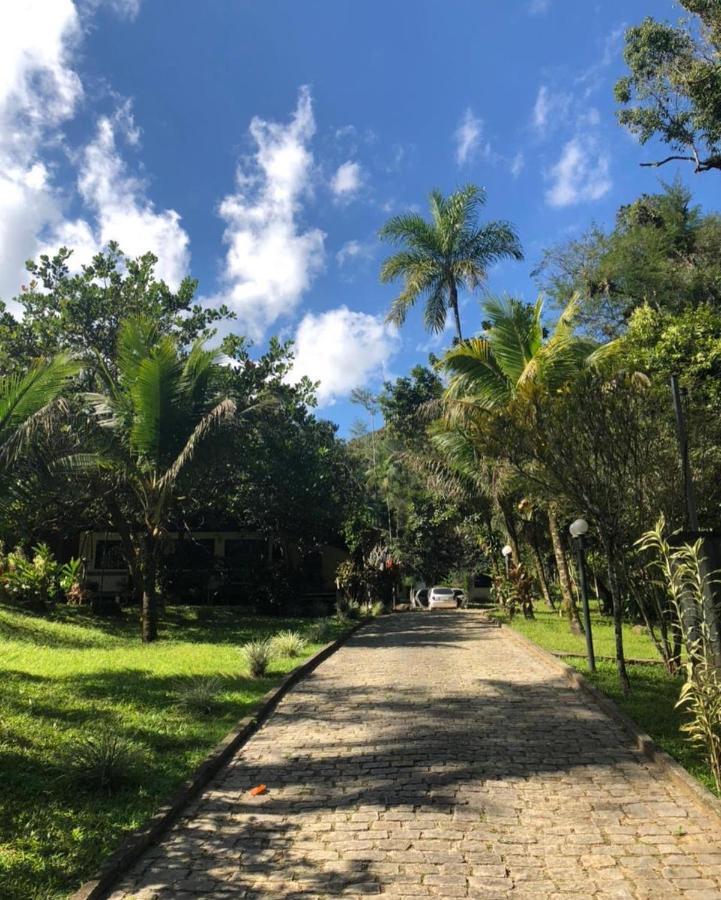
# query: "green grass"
651,703
65,675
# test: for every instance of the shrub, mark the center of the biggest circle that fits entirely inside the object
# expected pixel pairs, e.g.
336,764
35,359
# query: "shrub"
289,643
34,580
347,610
104,761
376,609
198,697
687,579
321,632
70,576
257,656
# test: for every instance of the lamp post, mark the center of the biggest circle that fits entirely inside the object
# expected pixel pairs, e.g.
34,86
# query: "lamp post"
578,529
507,551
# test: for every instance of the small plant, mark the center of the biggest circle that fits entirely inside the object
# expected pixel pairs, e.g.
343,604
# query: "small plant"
198,697
347,610
289,643
31,580
104,761
376,609
321,632
70,576
686,579
257,656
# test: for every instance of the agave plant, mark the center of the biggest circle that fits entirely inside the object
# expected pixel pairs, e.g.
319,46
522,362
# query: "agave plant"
257,656
289,643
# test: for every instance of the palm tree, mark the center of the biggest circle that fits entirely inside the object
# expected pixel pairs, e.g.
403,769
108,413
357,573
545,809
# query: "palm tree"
29,402
441,257
513,358
153,414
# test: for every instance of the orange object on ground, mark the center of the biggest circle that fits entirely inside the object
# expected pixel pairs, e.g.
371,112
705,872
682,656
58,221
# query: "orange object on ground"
256,791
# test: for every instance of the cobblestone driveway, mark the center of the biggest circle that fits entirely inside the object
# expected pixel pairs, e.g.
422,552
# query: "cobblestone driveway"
432,757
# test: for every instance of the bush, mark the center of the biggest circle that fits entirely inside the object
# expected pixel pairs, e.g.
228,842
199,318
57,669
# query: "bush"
347,610
38,579
257,656
104,761
376,609
289,643
198,697
321,632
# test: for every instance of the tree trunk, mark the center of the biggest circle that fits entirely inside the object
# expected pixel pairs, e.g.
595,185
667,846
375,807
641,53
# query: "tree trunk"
453,303
617,614
568,602
541,575
149,610
511,531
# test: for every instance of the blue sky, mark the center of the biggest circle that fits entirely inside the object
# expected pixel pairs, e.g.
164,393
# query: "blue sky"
259,146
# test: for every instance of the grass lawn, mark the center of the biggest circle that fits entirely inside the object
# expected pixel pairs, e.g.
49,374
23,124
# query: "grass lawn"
65,675
654,693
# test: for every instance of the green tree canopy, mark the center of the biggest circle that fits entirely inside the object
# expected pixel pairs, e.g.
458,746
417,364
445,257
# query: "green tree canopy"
673,87
663,251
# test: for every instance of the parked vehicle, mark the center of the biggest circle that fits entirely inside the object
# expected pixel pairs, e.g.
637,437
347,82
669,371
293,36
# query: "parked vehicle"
420,598
442,598
480,589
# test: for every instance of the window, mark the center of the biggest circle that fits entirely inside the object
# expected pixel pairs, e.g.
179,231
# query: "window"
482,581
109,555
245,552
194,553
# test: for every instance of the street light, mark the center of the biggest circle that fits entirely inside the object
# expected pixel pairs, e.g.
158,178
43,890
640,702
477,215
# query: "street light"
578,529
507,551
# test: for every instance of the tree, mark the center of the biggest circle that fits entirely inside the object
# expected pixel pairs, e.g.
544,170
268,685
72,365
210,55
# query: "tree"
513,359
83,312
605,445
663,251
152,418
28,402
673,88
439,258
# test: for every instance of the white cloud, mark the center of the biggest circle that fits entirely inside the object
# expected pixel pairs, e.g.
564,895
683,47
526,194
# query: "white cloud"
467,138
353,250
541,109
122,211
341,349
271,260
518,164
580,175
551,109
538,7
128,9
347,180
38,91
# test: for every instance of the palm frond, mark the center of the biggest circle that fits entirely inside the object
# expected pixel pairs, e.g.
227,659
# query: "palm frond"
475,375
30,402
224,410
154,393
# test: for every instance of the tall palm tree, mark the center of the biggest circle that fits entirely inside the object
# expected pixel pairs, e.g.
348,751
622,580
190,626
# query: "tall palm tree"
29,402
514,357
439,258
154,414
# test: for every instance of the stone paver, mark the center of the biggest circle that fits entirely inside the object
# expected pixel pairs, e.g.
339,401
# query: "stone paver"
431,757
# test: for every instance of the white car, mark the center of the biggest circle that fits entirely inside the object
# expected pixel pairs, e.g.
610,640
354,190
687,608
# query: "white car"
442,598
